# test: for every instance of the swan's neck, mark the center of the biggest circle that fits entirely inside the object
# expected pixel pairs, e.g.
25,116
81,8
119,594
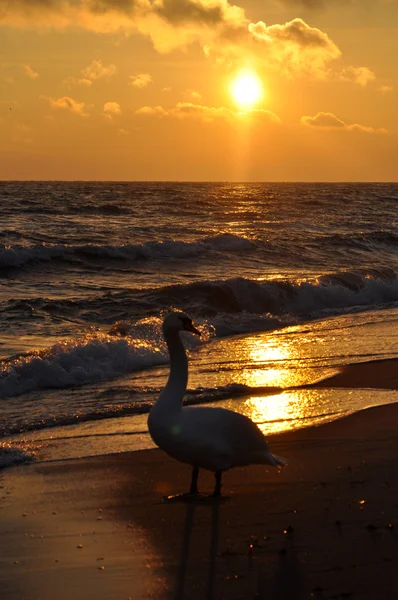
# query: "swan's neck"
173,394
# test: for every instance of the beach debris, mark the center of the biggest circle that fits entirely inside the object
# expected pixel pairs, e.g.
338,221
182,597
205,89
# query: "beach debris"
79,546
289,530
101,568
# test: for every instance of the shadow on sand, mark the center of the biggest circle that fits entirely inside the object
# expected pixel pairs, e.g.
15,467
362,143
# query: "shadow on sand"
286,583
185,548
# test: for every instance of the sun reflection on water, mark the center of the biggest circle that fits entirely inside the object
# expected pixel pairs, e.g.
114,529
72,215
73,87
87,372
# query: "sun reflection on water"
288,410
279,361
274,362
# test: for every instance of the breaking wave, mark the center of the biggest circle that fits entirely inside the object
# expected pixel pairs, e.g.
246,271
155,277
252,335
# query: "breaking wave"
18,256
220,308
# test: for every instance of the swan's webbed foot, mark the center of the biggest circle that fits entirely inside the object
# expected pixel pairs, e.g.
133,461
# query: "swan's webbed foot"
193,493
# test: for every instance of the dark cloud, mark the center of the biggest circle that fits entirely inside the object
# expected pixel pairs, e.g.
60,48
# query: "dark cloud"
103,6
180,11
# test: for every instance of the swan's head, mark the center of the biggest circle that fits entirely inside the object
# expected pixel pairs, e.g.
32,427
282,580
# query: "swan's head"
179,321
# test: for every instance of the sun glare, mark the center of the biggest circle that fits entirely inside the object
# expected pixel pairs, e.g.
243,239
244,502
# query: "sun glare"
247,89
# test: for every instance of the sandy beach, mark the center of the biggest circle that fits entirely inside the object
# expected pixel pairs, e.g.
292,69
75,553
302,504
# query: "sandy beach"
324,527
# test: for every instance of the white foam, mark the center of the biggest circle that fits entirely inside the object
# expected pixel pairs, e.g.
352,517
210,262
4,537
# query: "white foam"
91,359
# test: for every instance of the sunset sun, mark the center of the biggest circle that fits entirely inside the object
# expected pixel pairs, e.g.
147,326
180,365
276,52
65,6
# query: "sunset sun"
246,89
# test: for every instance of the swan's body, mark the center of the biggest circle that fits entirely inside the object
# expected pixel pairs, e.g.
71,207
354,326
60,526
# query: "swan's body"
215,439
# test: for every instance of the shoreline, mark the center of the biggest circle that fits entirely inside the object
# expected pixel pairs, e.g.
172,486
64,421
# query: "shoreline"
379,374
326,525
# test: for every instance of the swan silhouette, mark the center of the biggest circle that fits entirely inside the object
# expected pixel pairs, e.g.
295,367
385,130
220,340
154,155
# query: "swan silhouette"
215,439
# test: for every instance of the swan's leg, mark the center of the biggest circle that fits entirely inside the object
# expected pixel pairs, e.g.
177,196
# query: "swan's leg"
194,481
217,489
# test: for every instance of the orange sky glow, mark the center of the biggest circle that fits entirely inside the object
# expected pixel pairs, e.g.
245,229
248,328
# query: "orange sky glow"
150,90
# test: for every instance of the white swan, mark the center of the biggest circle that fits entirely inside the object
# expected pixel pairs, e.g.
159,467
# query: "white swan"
215,439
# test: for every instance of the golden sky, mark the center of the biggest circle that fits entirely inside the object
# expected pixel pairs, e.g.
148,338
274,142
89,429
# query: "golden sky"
153,90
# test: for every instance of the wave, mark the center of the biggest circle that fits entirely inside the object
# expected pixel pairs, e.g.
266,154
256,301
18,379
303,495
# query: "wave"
276,299
91,359
364,241
13,455
220,308
18,256
236,305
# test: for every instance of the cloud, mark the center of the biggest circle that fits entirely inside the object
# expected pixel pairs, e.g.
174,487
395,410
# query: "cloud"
71,81
67,103
97,70
222,30
360,75
296,47
192,95
207,114
385,89
307,3
141,80
111,109
330,122
30,72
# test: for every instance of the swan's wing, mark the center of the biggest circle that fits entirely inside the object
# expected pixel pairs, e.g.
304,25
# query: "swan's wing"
223,433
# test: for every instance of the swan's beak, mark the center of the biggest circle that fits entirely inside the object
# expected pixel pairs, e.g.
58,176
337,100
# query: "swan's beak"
189,327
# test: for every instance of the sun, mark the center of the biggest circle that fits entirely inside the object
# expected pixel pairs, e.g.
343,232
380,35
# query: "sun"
247,89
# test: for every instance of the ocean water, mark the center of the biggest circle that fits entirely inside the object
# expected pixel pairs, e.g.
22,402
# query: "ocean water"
287,282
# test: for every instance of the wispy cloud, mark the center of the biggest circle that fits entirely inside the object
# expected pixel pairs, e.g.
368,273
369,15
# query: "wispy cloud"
329,121
192,95
30,72
386,89
97,70
359,75
71,81
141,80
206,114
69,104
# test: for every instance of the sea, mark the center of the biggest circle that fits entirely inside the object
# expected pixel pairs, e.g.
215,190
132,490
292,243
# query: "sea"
288,282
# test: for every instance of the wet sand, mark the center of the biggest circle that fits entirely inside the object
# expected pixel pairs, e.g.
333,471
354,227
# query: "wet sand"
381,374
324,527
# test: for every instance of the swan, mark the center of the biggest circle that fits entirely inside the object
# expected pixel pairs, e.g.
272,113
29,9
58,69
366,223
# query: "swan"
215,439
